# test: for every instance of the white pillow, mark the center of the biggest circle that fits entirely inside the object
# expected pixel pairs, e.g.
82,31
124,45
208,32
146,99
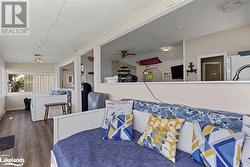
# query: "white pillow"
116,108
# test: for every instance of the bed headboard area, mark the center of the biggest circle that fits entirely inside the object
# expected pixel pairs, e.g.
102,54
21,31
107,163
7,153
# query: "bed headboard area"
222,119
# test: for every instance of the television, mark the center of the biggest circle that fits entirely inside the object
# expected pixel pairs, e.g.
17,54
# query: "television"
177,72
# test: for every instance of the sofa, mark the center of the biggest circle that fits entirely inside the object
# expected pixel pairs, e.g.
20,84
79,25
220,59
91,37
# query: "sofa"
81,143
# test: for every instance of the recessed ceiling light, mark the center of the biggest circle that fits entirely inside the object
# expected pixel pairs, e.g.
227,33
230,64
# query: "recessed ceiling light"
166,48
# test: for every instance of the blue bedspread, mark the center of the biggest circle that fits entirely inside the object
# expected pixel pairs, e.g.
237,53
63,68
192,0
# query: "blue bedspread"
88,149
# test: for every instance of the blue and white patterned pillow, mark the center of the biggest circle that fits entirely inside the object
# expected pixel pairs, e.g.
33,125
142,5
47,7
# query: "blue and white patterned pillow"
120,128
212,146
246,152
222,119
114,108
246,124
246,147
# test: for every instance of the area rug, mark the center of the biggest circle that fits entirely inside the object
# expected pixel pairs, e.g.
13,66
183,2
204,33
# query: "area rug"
7,142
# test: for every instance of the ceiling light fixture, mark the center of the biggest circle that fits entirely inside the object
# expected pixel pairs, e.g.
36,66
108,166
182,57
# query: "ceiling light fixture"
166,48
38,58
231,5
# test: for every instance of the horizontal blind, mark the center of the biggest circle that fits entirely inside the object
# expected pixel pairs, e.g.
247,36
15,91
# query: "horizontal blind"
28,83
42,82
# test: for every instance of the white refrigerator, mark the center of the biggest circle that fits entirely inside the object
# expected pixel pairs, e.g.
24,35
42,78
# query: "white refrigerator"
235,63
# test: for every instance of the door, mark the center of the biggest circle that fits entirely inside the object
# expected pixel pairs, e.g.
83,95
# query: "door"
212,71
212,68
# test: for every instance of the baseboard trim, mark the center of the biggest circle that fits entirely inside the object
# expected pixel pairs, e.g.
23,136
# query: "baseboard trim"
13,109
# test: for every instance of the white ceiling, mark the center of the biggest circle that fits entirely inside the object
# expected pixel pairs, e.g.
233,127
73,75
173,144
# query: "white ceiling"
81,21
199,18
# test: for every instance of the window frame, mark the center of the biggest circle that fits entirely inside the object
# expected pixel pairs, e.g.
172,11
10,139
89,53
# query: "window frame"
27,72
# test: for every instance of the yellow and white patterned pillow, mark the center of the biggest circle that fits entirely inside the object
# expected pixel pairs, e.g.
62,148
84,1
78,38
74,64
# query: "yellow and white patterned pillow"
162,135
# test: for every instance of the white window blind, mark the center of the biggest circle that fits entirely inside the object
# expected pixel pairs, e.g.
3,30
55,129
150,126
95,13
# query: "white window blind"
42,83
30,82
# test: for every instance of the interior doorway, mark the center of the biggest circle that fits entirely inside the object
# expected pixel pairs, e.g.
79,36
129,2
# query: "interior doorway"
212,67
87,68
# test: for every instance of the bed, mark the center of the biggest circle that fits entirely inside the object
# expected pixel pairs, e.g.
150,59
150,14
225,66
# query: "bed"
88,149
78,138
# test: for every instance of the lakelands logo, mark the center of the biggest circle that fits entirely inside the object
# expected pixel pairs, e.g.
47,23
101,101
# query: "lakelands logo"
7,160
14,17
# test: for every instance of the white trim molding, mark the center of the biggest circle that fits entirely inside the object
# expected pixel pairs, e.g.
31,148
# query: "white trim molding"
67,125
97,64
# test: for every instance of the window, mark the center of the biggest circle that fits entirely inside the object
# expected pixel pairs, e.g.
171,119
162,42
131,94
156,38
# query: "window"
29,82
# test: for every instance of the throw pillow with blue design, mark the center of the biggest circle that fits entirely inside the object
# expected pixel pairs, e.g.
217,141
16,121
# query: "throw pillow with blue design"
120,128
246,124
216,147
246,148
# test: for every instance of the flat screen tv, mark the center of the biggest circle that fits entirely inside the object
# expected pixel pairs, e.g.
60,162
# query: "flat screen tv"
177,72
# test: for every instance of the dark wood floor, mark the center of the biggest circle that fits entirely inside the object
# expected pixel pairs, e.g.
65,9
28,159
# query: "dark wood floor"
34,140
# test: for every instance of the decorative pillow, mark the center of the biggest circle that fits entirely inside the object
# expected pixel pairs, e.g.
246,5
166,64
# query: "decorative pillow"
162,135
215,147
116,108
120,128
246,124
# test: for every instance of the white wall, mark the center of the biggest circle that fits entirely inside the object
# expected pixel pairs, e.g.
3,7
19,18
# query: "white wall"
230,41
222,96
31,67
14,101
2,62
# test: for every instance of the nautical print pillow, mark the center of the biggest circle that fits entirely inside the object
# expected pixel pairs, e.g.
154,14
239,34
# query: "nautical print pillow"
120,128
116,108
162,135
216,147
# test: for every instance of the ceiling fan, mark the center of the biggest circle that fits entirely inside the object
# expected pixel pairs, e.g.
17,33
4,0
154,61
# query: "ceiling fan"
38,58
125,53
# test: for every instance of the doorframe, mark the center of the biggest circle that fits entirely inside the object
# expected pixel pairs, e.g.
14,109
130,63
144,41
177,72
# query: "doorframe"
209,56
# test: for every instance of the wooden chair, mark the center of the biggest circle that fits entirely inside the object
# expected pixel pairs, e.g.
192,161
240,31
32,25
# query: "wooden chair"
48,105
